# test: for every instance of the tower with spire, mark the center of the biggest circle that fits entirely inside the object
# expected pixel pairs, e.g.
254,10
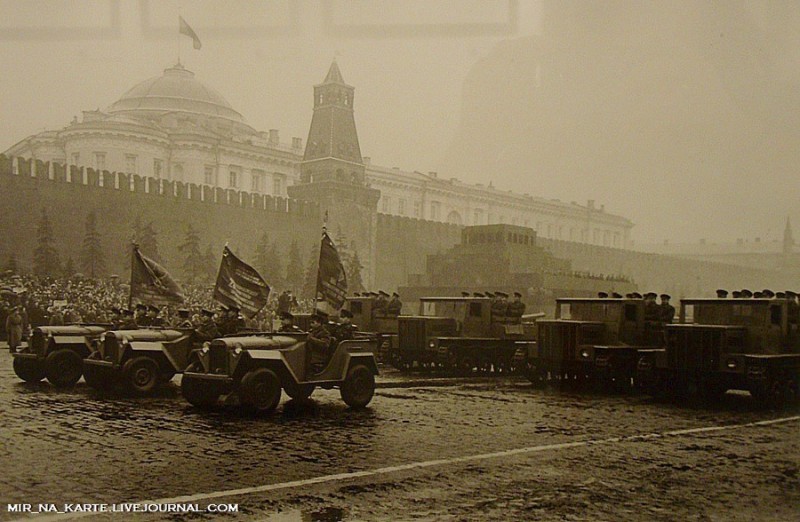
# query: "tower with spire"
788,238
332,172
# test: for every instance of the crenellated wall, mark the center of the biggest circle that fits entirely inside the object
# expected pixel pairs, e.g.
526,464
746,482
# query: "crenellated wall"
69,195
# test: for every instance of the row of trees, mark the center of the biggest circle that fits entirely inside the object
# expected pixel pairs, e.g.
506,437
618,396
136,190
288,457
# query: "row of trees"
199,265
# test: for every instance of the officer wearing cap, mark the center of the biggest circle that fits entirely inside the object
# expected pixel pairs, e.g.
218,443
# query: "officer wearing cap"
769,294
183,321
152,316
652,312
287,323
666,310
794,308
116,317
128,321
381,304
499,307
736,294
516,309
616,295
395,305
140,315
319,342
746,294
722,294
477,294
345,330
602,295
207,329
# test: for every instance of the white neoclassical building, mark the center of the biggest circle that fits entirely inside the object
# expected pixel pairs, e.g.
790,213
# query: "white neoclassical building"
175,127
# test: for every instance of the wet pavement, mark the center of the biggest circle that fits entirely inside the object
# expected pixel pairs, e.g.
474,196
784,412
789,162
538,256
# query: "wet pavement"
82,446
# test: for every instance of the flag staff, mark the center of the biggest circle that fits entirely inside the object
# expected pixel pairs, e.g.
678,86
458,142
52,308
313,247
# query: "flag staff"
134,246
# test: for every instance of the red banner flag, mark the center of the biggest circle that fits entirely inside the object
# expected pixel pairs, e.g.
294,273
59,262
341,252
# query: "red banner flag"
331,278
240,284
151,283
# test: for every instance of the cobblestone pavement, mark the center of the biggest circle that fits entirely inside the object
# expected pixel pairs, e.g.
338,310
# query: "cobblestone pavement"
81,446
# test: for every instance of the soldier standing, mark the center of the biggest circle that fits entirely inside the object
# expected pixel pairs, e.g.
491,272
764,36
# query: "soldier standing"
153,319
652,312
499,307
394,306
381,303
516,308
667,311
14,323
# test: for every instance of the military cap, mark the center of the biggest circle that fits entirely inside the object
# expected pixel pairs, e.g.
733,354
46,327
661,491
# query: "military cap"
140,306
183,312
345,313
602,295
758,295
206,311
384,294
666,296
501,294
356,294
477,294
722,293
489,294
517,294
116,309
636,295
651,294
395,294
780,295
736,294
790,293
286,315
616,295
153,308
319,318
768,293
125,311
464,294
746,293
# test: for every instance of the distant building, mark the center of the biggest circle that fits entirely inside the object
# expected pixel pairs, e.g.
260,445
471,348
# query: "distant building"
175,127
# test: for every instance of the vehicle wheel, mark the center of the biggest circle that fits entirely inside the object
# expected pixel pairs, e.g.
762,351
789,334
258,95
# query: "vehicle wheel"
260,390
141,375
97,377
63,368
358,387
199,394
29,370
298,391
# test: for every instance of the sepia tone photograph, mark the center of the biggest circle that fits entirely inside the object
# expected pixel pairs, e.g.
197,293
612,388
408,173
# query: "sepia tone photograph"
400,260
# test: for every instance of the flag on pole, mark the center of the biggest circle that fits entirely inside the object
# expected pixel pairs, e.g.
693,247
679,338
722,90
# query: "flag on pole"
239,284
188,31
151,283
331,278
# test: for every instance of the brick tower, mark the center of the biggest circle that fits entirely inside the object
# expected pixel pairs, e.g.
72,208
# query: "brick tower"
333,173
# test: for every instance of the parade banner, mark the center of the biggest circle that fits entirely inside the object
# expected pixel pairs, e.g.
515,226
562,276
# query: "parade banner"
239,284
151,283
331,278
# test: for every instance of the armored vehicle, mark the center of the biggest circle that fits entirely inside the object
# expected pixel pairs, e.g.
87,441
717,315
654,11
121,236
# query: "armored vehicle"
57,353
257,368
724,344
592,340
139,360
458,333
370,320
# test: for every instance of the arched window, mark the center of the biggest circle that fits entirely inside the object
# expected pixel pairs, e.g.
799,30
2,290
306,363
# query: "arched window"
454,218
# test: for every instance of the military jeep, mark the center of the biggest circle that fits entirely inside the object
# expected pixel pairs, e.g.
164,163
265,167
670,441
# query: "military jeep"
139,360
57,353
257,368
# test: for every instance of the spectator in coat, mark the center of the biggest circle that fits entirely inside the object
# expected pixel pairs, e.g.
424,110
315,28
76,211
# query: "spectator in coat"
14,327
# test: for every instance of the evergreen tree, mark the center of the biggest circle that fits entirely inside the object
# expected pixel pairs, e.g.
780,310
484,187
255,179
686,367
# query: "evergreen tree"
210,266
295,276
45,256
148,242
353,269
92,259
273,274
261,257
193,262
69,268
310,279
11,264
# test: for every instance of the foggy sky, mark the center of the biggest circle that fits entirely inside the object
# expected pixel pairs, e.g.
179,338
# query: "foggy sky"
683,118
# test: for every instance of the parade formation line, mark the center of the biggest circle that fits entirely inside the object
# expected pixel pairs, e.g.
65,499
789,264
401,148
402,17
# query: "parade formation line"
428,464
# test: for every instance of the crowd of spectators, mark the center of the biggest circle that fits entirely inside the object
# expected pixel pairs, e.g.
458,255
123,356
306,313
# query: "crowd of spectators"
46,301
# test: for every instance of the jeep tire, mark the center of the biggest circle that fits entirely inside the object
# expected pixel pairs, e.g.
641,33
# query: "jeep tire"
63,368
141,375
358,387
260,391
29,370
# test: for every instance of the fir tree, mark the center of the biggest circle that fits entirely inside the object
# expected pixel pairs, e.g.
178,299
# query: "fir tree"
148,242
92,259
210,265
261,257
11,264
295,276
353,270
273,274
45,256
69,268
310,279
193,262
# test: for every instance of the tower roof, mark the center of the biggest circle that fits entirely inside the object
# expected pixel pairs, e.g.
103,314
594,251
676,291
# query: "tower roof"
334,74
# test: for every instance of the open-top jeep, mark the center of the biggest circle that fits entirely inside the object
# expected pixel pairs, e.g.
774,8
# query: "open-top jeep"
140,360
57,352
257,368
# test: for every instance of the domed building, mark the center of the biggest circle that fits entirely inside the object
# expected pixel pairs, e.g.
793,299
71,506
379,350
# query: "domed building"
174,127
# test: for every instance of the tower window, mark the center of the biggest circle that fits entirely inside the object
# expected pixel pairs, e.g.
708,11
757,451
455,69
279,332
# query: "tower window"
99,160
158,166
130,163
208,175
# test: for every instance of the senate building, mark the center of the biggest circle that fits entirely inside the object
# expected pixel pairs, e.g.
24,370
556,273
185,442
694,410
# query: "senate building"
175,127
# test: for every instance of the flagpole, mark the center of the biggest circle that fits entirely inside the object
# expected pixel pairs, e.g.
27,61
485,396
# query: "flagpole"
130,286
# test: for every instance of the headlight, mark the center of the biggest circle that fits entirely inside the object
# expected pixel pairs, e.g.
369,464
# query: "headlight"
585,354
732,364
238,350
50,335
205,347
432,344
125,341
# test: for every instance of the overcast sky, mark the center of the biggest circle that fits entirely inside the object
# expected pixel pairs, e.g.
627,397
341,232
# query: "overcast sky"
407,60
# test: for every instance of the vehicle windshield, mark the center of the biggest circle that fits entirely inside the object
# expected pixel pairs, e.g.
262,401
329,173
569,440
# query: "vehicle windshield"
453,309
